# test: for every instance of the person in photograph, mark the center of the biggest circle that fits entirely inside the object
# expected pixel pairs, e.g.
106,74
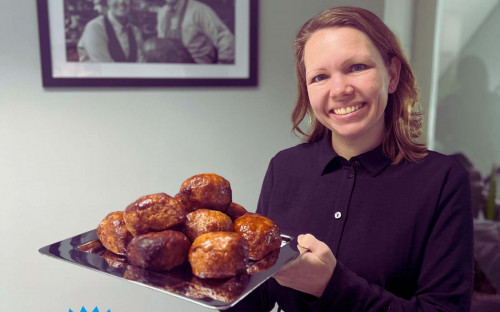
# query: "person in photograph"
382,223
195,31
101,6
110,37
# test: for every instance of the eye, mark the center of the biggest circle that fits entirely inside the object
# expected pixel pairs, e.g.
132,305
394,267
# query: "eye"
358,67
319,78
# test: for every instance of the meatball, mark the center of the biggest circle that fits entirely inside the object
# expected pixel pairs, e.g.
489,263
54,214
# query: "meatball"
208,191
156,212
158,251
261,233
235,211
202,221
113,233
218,255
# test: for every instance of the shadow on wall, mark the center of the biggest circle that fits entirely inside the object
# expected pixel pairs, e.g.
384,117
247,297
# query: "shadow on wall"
468,120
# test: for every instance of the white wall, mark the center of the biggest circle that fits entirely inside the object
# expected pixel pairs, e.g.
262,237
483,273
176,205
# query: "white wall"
469,90
70,156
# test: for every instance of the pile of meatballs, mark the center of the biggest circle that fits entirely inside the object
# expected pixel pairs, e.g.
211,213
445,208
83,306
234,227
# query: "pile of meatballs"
200,224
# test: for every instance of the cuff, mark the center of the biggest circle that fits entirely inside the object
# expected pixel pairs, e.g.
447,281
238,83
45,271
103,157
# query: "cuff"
343,290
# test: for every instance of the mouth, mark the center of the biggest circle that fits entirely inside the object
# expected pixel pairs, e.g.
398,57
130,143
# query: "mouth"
347,110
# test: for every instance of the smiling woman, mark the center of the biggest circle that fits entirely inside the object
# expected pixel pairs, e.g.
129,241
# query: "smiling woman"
351,96
377,215
403,118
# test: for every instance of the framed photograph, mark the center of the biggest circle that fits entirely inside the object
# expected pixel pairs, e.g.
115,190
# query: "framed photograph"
148,43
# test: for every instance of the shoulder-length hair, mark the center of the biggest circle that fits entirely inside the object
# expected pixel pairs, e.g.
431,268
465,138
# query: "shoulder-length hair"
403,120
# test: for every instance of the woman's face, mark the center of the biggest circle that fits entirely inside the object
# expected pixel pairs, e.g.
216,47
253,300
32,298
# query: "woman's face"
348,84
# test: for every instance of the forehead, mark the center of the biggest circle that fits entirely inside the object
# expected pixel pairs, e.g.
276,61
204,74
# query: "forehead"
339,42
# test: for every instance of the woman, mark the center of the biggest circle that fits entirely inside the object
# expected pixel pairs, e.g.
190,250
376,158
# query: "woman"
382,223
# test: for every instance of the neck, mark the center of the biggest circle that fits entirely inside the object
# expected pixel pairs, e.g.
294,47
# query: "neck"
121,19
351,147
176,5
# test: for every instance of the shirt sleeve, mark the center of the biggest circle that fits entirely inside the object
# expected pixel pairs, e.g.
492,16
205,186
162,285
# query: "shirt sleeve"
266,190
446,276
218,33
140,45
161,25
94,42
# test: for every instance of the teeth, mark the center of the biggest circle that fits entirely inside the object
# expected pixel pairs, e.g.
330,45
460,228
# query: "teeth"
344,110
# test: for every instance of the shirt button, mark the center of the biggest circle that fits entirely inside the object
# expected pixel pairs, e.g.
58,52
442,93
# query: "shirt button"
350,175
338,215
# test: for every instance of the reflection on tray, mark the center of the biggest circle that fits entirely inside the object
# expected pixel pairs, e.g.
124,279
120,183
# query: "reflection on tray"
176,281
87,251
263,264
180,280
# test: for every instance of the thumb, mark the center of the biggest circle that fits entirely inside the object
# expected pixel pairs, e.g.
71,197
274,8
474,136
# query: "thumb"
308,241
316,247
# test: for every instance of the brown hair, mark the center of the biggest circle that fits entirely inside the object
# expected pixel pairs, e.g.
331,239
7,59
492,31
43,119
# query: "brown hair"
403,120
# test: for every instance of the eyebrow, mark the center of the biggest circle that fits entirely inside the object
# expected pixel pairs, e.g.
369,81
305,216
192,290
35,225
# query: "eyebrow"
355,59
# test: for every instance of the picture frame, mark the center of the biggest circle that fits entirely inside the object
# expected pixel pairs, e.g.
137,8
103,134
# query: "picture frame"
61,25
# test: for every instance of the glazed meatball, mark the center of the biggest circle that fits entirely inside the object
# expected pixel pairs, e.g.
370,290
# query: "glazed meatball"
156,212
113,233
158,251
218,255
235,211
202,221
261,233
208,191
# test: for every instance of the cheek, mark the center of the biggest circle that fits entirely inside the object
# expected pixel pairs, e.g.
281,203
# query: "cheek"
377,90
317,97
376,83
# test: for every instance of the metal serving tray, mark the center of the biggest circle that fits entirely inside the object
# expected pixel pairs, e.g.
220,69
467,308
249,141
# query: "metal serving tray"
86,250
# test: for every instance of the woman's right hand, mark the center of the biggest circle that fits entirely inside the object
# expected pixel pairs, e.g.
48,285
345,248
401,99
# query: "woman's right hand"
313,268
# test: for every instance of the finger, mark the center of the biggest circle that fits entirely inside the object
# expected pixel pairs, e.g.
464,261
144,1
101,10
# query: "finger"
308,241
316,247
301,248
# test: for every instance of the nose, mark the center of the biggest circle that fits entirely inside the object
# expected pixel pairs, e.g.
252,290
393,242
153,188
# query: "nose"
340,86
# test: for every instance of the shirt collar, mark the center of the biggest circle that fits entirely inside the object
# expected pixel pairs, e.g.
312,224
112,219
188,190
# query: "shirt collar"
373,161
117,26
176,7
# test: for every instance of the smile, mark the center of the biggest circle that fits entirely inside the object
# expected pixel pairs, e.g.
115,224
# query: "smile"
347,110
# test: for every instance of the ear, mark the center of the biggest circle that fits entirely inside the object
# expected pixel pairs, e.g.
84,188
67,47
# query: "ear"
394,70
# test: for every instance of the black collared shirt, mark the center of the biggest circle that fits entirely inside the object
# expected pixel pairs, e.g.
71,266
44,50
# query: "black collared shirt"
402,234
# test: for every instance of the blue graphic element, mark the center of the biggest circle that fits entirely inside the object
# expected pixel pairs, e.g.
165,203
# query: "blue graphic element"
84,310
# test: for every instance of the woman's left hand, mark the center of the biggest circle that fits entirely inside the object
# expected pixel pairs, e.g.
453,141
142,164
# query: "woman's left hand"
313,268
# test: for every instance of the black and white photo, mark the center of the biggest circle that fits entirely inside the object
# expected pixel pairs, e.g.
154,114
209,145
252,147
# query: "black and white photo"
148,42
